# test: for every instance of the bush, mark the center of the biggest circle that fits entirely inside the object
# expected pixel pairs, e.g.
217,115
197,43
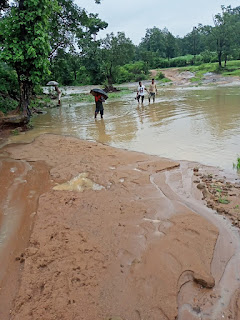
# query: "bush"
132,72
178,62
9,89
160,76
7,104
83,77
9,83
161,63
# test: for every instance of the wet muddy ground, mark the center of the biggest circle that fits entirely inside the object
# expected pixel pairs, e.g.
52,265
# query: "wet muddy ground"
114,235
88,231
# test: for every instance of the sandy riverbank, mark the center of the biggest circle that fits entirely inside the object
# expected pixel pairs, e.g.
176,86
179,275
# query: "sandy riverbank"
129,238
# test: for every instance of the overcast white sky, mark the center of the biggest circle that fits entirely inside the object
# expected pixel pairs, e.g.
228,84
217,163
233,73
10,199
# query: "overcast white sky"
135,16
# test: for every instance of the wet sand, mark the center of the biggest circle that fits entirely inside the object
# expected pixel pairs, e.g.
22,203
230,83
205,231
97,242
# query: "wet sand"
114,235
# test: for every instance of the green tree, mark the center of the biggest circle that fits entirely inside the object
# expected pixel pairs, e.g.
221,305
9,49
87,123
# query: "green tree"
116,51
69,23
31,31
70,27
223,34
90,48
154,41
92,60
26,44
62,69
194,42
170,44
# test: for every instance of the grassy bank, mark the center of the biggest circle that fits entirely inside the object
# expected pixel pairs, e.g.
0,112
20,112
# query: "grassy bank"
232,69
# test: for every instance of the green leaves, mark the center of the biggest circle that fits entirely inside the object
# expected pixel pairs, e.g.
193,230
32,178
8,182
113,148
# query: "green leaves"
71,22
25,33
116,51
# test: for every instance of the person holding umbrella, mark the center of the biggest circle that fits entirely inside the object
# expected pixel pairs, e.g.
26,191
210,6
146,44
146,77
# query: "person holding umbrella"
59,92
100,97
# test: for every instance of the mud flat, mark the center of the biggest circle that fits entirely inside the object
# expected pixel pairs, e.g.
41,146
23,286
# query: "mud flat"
111,234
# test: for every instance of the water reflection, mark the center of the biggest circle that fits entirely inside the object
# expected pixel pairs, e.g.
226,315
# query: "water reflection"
98,132
194,124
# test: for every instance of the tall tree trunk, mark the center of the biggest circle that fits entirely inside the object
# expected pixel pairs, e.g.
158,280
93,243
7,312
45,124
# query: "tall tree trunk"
225,60
110,80
110,77
26,88
220,58
24,85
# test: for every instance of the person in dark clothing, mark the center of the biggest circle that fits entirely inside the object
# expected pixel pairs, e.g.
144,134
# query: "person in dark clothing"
99,105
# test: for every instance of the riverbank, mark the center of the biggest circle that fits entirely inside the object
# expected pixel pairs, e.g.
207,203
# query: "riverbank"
114,235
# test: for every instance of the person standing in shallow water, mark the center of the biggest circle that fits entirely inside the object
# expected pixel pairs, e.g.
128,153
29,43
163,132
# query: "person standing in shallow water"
140,92
99,105
152,91
59,93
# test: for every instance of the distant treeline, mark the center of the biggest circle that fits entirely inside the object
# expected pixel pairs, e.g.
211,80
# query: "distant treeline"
116,59
45,40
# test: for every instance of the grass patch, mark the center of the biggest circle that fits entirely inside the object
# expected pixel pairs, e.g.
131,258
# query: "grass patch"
87,97
161,77
80,97
201,70
237,164
220,198
41,102
232,68
15,132
165,80
119,94
223,200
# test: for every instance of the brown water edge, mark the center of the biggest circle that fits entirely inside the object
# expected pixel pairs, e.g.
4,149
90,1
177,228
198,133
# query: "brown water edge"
19,193
136,249
226,259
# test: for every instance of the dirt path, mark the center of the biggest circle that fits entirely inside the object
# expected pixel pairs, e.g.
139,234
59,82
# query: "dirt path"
132,245
178,78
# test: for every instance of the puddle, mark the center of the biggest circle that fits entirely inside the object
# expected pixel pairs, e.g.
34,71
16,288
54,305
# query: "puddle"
79,183
22,184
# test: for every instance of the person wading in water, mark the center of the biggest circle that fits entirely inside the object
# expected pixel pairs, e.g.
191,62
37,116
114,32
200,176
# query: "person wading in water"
152,91
59,92
140,92
99,105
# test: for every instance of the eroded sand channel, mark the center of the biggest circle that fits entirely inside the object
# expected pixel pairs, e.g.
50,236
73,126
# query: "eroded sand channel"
139,247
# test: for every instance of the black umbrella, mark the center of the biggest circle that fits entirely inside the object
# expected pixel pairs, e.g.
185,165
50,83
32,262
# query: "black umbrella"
96,91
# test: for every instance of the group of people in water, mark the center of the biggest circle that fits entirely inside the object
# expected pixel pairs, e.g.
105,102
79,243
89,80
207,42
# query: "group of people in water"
152,91
99,99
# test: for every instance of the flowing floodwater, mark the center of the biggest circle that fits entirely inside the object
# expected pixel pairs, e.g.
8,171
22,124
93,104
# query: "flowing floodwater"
199,124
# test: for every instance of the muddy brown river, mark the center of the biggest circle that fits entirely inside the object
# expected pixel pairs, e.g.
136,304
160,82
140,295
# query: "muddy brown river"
197,124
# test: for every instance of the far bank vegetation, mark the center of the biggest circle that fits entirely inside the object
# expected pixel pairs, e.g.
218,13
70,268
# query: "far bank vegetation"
58,40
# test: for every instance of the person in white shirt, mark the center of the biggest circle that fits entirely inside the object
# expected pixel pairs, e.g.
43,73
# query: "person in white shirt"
140,92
